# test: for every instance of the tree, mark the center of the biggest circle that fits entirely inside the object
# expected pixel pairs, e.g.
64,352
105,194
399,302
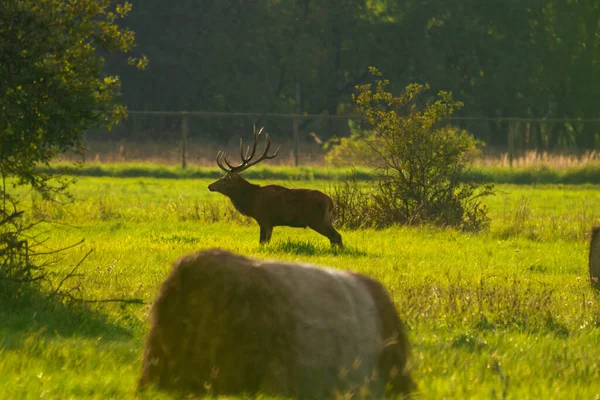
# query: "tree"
52,88
233,55
511,58
51,83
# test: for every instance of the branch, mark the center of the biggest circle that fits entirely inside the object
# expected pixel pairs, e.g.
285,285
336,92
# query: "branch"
12,216
24,228
115,300
124,301
72,273
29,280
62,249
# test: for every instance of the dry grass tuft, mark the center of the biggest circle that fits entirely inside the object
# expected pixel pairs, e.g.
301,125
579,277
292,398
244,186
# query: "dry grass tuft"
539,159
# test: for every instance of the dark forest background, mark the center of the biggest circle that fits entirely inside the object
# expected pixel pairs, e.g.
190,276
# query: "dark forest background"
534,59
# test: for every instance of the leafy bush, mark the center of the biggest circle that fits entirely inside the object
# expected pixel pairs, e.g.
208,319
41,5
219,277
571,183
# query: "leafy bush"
353,202
419,158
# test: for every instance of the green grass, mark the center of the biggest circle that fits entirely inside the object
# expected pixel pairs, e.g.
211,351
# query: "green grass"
149,170
527,175
506,313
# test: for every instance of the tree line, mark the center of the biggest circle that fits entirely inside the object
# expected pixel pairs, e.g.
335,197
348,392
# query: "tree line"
509,58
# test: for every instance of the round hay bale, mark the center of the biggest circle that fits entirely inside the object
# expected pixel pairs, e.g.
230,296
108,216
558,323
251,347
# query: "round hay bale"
214,326
594,262
223,324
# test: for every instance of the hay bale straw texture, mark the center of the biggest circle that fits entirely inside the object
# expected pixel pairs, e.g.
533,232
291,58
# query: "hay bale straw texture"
224,324
595,258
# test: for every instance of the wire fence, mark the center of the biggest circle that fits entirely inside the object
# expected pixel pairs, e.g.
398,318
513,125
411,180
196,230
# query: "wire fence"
195,137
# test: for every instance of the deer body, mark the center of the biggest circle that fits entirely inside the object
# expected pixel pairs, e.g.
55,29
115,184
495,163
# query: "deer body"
274,205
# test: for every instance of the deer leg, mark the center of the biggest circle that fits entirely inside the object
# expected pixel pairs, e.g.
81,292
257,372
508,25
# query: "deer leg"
335,238
265,233
329,232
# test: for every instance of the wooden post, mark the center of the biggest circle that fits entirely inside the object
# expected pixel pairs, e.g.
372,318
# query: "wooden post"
594,258
134,124
511,142
185,127
295,125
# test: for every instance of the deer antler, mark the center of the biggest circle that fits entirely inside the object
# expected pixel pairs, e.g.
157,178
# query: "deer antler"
222,157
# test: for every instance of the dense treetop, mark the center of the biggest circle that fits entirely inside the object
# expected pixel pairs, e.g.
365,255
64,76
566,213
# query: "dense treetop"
518,58
52,83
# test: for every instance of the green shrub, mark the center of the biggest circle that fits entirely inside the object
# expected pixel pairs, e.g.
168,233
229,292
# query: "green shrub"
419,159
353,202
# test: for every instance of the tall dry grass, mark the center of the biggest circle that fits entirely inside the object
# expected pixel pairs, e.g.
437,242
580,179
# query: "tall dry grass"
200,154
203,154
538,159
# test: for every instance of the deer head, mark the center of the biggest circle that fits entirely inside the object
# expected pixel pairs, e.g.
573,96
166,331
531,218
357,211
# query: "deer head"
232,180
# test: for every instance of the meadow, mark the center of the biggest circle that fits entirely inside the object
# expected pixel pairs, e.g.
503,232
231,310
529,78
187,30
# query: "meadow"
505,313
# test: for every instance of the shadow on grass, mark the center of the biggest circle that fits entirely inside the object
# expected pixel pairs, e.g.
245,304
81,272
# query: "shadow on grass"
34,312
308,248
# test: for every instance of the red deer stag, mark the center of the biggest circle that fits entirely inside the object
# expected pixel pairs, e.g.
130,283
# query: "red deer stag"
274,205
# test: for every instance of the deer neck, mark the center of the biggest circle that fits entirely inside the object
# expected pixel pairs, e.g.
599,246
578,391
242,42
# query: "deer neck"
243,196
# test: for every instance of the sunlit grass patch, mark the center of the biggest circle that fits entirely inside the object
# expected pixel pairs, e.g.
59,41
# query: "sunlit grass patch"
503,312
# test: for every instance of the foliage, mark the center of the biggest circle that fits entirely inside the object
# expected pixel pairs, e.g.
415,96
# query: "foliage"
53,86
359,148
420,158
52,89
15,253
354,208
516,58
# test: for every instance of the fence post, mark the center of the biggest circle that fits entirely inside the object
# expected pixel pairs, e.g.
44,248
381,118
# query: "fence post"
295,125
511,142
134,124
185,127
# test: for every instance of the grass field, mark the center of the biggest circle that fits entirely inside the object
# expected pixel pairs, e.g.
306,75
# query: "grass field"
523,174
506,313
